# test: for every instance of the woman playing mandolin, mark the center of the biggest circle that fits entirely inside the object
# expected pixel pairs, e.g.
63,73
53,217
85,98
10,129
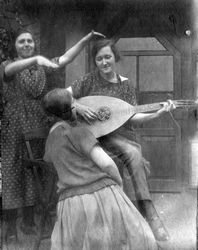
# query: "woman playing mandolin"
105,81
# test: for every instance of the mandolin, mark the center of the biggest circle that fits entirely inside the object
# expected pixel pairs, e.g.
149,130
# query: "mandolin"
113,112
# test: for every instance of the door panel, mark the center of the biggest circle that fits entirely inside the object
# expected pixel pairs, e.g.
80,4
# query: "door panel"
156,80
156,73
161,147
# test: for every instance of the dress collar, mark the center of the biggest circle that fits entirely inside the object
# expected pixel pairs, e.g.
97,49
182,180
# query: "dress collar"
120,78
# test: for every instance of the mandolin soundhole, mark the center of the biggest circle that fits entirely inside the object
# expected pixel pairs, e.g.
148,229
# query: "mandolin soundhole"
104,113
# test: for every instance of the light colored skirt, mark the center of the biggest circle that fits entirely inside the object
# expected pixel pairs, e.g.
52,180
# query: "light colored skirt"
103,220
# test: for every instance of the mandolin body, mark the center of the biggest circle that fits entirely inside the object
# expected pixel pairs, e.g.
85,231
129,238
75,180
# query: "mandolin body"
112,112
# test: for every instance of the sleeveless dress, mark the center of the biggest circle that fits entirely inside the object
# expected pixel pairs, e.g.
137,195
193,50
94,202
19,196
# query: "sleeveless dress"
93,213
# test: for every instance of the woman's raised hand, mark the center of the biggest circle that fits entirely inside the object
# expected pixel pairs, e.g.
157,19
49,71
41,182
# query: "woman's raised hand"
94,33
42,61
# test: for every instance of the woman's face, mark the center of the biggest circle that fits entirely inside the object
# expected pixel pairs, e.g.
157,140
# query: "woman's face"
25,45
105,60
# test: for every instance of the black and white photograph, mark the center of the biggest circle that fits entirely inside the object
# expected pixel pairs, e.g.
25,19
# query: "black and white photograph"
99,124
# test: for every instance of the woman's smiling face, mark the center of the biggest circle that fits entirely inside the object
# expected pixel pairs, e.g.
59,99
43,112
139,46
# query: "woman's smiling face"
25,45
105,60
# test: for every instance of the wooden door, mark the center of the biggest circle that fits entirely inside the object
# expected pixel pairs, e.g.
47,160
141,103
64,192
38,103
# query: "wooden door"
153,66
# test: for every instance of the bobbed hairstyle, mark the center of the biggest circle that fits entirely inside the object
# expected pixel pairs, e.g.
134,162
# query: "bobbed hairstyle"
22,31
58,102
99,44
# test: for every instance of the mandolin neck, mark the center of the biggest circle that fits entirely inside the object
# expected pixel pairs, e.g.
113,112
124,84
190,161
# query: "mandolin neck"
148,107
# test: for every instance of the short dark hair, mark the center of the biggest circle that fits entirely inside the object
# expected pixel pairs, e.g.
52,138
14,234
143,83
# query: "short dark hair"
20,31
99,44
58,102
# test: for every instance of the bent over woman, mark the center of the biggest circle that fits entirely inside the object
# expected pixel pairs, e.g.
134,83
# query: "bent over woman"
93,212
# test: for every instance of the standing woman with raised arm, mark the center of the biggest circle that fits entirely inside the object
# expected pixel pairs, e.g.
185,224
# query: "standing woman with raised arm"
24,85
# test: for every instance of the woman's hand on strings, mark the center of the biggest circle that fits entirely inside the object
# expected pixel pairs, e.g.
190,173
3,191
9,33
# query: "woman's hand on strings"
167,107
88,114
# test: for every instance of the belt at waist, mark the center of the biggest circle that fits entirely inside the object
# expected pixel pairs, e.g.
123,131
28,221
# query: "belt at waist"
87,189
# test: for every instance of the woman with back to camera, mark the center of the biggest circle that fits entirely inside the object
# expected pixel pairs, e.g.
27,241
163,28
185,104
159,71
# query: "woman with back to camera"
105,81
92,212
24,85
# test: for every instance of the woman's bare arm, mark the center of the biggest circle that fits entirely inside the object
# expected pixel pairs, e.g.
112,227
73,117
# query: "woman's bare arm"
21,64
75,50
143,117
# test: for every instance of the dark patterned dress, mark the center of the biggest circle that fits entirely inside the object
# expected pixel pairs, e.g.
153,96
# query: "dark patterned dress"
94,84
22,112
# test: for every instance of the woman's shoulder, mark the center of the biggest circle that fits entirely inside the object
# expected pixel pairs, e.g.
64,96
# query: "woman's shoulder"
7,61
3,77
90,75
86,79
64,128
81,131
